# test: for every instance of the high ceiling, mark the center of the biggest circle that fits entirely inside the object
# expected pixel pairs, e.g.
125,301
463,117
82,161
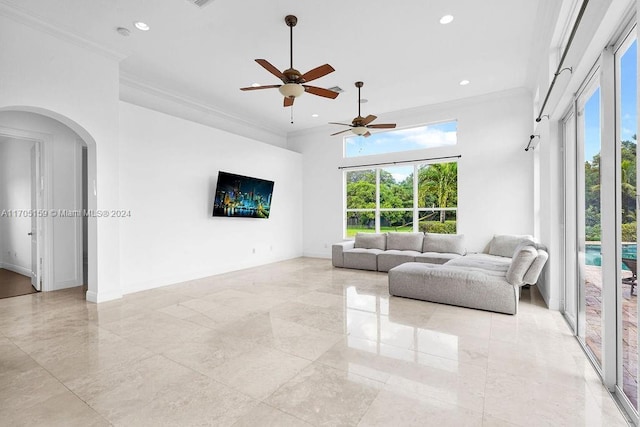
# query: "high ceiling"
405,57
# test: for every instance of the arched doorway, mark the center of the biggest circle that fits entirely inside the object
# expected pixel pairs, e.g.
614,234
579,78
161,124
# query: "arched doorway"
68,180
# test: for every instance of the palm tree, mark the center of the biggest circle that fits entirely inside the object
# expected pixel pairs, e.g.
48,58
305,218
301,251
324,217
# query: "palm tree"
439,180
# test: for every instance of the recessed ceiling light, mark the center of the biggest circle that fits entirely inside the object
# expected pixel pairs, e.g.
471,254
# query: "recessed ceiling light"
364,101
255,85
446,19
314,115
141,26
464,82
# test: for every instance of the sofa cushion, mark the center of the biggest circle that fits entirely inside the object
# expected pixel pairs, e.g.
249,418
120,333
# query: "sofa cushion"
371,241
392,258
405,241
492,265
532,275
444,243
520,264
436,257
506,244
361,259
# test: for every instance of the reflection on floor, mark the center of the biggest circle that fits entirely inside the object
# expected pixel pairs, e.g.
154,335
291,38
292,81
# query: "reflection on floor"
593,318
14,284
292,343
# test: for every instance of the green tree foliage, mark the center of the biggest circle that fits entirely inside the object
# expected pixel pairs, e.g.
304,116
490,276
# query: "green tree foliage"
628,190
438,186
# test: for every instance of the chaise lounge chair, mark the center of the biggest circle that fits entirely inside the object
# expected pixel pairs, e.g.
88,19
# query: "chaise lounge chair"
632,265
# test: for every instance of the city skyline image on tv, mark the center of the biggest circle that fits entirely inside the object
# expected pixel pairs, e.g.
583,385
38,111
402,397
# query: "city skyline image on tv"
242,196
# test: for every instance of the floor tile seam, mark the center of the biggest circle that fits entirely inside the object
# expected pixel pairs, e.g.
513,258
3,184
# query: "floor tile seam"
390,388
536,382
68,390
212,378
284,411
418,351
366,411
367,379
273,347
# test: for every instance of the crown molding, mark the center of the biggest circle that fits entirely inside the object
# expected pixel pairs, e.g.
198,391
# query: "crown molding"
399,115
22,16
143,94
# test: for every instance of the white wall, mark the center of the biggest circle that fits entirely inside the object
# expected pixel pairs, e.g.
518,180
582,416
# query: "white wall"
495,174
65,77
61,152
15,195
168,173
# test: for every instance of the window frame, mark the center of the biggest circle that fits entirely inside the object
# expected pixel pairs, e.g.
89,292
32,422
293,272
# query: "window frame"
378,210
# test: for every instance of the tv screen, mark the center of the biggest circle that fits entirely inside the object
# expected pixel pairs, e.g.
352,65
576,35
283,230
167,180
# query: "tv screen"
242,196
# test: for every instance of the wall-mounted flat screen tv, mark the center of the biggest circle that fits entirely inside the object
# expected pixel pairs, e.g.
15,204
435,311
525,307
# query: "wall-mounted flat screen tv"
242,196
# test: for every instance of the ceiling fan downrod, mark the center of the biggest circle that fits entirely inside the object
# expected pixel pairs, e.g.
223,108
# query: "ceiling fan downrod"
291,21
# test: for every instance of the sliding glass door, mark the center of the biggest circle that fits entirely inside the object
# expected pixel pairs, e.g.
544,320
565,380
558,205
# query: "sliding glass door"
589,226
626,66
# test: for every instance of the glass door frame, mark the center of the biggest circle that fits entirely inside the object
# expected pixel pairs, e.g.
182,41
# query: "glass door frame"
591,84
570,295
624,41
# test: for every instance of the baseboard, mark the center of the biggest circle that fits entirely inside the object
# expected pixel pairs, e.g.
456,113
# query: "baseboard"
316,255
16,269
102,296
552,303
58,286
159,282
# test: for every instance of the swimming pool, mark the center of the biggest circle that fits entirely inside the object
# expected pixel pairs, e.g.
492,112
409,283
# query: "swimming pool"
592,254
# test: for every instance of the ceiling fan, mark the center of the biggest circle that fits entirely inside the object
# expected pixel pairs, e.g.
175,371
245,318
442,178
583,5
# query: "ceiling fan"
360,125
293,81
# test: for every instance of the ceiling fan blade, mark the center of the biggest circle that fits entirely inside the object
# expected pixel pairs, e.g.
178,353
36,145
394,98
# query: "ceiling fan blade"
317,72
342,131
367,135
288,102
259,87
368,119
270,68
321,91
341,124
383,126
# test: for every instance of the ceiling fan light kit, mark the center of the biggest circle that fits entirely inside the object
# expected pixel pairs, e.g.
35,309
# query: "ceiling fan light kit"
291,90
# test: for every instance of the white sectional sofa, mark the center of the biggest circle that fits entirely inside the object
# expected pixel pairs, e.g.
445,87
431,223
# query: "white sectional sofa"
434,267
384,251
487,281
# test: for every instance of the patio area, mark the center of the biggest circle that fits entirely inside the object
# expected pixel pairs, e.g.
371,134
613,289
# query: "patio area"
593,337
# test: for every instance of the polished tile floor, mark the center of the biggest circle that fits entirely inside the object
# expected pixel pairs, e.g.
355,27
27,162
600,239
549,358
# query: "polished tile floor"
14,284
294,343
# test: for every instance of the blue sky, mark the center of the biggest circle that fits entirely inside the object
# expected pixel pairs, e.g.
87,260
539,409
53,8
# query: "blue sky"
416,138
628,105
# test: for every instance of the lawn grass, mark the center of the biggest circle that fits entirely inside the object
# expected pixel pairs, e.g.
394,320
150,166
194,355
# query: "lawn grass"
351,231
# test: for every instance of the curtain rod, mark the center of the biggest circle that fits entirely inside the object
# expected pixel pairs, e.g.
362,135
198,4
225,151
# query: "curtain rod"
562,58
395,163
